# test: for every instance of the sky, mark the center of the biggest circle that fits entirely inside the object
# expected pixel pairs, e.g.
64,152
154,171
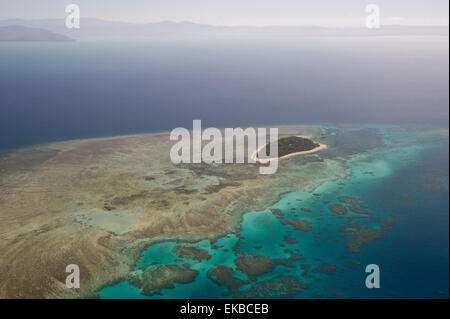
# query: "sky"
330,13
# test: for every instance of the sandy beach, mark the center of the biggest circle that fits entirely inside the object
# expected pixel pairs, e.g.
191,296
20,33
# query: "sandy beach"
265,161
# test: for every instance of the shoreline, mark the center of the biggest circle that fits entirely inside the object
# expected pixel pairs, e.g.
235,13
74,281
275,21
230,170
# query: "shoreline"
255,158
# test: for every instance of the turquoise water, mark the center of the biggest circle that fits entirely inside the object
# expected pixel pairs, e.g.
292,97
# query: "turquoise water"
400,172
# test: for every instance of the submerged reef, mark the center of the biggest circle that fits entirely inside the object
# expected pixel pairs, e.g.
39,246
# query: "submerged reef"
337,209
298,224
355,205
255,265
279,287
290,240
224,275
325,268
360,236
276,212
353,264
193,253
155,278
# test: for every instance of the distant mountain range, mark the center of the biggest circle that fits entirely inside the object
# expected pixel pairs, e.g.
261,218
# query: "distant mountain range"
96,29
21,33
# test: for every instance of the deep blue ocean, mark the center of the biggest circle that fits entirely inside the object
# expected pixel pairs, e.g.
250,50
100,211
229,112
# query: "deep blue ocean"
52,91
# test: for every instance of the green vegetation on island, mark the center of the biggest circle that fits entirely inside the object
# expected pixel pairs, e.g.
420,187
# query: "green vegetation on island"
292,144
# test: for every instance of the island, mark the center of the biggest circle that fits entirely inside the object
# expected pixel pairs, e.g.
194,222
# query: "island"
287,147
19,33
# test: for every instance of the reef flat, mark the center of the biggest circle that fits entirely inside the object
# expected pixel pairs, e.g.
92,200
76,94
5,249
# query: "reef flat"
140,226
99,202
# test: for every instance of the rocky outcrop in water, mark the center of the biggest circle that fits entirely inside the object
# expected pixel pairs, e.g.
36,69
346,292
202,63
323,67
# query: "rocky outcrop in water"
192,253
153,279
298,224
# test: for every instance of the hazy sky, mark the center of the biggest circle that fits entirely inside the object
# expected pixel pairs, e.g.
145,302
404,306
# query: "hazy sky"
238,12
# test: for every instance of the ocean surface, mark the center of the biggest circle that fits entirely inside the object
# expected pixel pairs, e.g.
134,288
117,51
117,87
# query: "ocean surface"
58,91
405,179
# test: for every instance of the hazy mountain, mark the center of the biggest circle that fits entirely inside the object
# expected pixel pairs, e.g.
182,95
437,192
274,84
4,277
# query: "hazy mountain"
22,33
96,29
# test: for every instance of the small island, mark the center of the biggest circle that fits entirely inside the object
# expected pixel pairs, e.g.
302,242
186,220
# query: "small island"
287,147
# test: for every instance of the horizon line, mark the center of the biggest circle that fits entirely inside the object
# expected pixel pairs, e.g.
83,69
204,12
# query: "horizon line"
236,26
